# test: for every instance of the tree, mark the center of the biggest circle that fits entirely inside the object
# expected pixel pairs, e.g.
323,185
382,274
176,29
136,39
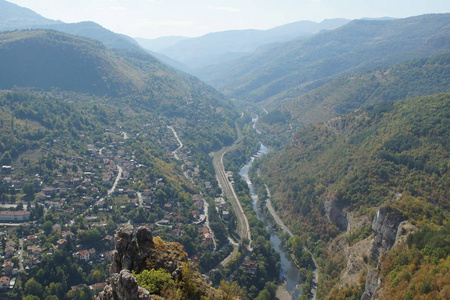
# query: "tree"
47,226
28,190
230,290
32,287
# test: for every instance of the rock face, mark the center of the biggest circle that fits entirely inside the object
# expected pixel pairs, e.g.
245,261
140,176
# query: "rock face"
385,225
372,281
135,250
124,286
335,213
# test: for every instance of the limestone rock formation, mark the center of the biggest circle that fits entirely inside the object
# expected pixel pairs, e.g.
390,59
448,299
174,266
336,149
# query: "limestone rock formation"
385,225
124,286
136,250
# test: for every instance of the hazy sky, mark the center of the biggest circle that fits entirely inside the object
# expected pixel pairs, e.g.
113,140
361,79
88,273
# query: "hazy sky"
154,18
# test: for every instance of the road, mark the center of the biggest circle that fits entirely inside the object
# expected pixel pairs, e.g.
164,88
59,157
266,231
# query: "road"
179,142
119,176
20,254
141,200
228,190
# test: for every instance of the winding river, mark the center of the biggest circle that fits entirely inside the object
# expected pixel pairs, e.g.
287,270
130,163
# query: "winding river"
289,272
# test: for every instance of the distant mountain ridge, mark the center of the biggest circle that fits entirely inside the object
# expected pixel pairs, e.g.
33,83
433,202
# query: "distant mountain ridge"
305,64
221,46
13,17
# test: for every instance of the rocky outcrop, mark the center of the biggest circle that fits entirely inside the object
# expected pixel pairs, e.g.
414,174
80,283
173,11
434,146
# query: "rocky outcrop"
135,250
372,281
386,226
124,286
335,213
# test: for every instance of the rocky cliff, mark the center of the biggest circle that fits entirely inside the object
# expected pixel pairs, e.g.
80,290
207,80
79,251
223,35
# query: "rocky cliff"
137,250
386,227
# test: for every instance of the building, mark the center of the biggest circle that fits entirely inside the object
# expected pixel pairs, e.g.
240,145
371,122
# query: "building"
4,282
9,252
84,255
8,267
61,243
17,216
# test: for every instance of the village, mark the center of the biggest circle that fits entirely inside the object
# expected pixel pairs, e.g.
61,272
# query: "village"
82,207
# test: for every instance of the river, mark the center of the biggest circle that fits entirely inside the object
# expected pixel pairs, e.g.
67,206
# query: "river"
289,271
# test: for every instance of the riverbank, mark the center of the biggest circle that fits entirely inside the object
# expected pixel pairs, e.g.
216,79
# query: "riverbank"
290,273
286,229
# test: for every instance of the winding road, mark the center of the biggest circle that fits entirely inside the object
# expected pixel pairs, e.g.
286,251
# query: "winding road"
179,142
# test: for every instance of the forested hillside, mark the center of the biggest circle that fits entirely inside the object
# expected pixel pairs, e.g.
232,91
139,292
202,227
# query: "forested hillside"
83,65
333,176
411,79
358,46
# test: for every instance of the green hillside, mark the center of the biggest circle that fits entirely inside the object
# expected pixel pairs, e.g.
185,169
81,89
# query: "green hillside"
51,61
411,79
392,153
358,46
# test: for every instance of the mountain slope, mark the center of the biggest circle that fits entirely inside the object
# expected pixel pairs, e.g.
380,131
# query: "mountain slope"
95,31
50,59
46,59
333,176
217,47
14,17
411,79
355,47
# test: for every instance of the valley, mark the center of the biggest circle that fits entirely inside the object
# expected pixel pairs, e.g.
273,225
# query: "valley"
306,161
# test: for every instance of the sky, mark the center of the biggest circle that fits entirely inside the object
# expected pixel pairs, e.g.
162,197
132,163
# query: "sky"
156,18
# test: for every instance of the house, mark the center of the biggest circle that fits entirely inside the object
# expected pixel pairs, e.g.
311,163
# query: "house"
250,267
10,243
6,169
8,267
97,286
61,243
32,239
9,252
84,255
4,282
35,251
20,216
